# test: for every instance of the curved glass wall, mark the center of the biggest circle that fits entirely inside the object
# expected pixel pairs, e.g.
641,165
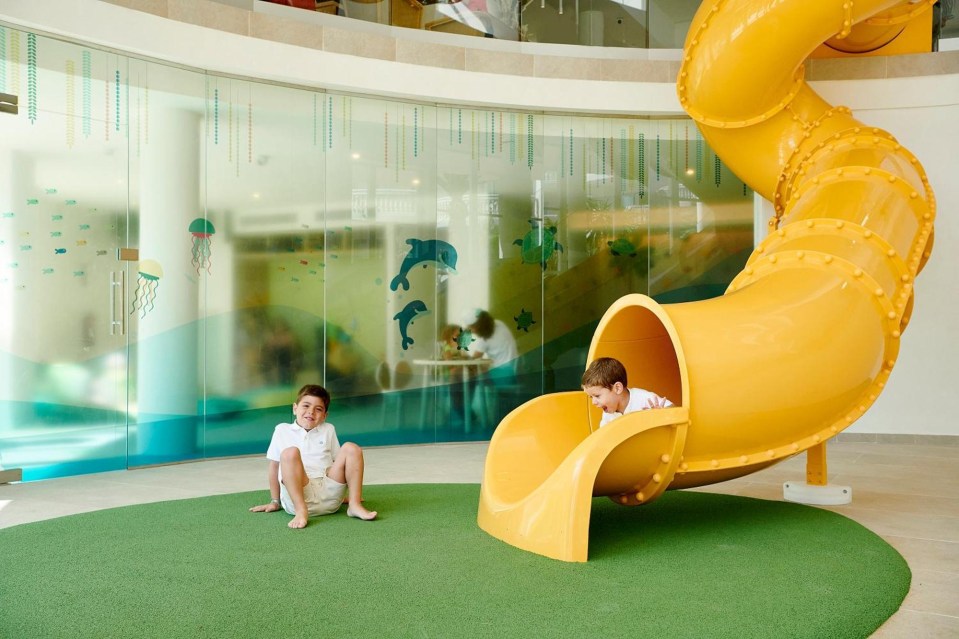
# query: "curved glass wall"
645,24
180,251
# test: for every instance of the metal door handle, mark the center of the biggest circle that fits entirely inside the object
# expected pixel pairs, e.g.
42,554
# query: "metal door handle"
118,296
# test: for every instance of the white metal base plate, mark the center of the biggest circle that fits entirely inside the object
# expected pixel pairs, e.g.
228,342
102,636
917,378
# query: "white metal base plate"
829,495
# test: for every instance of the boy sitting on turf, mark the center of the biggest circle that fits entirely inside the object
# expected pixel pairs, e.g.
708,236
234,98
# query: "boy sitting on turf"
309,471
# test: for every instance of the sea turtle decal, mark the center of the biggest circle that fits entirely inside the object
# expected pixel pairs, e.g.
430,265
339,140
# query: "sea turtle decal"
538,244
524,320
622,246
464,339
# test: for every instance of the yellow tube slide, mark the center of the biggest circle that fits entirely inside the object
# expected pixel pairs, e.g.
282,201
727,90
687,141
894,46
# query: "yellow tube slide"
805,337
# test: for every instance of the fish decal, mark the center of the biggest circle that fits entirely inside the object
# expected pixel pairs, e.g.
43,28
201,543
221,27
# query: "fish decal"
406,317
421,252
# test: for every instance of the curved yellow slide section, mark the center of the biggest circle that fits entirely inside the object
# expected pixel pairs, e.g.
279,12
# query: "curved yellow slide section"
805,337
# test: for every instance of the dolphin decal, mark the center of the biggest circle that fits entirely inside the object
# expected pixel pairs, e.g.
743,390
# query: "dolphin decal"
405,317
423,251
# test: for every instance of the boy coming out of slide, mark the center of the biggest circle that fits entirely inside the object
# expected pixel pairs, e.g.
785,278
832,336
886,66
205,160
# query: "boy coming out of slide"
310,472
606,384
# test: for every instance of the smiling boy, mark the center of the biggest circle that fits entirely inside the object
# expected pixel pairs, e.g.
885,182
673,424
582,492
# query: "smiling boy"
606,384
309,472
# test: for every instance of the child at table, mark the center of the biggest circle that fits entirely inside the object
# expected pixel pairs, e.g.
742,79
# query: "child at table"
449,342
606,384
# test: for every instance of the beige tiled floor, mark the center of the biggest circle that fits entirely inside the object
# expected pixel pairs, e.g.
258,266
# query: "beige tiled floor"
905,492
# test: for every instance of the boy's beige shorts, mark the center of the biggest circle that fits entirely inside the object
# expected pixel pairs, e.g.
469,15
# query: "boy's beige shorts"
323,496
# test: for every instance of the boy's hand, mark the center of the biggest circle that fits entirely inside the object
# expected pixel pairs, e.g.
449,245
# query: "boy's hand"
656,402
266,508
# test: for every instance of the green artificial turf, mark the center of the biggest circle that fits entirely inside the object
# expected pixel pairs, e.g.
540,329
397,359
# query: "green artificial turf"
688,565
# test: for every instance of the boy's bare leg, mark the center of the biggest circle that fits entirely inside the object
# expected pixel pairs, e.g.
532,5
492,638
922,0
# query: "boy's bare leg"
295,478
348,468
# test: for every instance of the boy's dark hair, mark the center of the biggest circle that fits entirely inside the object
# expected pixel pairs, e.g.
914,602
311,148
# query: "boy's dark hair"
316,391
484,325
605,372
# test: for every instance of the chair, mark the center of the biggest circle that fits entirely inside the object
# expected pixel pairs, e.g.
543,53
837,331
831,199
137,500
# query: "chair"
406,13
393,383
327,6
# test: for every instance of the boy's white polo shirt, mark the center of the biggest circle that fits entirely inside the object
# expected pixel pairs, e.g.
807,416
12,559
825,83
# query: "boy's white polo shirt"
318,446
638,399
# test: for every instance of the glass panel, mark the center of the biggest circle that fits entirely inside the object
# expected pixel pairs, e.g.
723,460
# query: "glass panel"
487,193
650,24
486,18
380,307
945,23
384,267
669,22
63,200
263,269
605,217
701,217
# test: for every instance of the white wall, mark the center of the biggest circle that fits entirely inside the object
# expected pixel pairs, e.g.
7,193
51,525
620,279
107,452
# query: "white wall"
922,112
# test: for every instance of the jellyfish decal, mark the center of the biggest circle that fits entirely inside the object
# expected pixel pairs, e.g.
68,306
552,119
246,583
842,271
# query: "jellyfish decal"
147,283
201,229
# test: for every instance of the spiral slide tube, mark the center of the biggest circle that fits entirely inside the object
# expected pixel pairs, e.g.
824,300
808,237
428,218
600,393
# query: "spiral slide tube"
807,334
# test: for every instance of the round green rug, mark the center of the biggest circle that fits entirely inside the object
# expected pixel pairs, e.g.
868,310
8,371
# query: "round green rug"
688,565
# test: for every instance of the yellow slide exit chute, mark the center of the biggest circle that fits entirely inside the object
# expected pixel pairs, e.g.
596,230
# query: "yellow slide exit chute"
804,339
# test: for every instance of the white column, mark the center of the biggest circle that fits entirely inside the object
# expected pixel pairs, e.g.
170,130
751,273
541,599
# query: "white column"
168,357
763,212
469,233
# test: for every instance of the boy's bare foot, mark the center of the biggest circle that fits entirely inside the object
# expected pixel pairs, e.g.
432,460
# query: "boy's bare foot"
360,512
299,521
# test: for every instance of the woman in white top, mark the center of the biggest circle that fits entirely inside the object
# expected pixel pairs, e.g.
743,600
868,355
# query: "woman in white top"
495,342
